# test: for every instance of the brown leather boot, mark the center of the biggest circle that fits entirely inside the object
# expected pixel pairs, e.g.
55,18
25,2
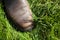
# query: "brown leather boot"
20,12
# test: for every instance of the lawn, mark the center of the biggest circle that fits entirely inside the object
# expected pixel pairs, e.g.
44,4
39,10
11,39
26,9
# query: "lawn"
46,16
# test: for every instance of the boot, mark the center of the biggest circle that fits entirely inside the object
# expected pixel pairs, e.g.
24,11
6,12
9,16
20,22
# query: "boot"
20,12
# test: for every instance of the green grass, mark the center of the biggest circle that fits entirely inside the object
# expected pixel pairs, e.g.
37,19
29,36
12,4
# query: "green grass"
46,15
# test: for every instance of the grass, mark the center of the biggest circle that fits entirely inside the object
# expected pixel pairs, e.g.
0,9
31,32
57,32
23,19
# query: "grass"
46,15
